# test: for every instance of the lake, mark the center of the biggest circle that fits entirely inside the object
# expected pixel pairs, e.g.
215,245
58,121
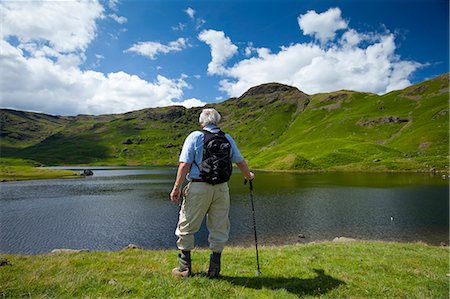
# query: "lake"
122,205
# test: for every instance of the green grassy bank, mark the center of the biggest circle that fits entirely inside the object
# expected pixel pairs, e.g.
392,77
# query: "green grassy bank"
19,169
327,270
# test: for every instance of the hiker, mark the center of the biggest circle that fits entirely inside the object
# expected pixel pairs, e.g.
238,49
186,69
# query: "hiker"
206,162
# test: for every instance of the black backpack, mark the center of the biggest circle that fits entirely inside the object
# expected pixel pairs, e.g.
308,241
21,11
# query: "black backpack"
216,165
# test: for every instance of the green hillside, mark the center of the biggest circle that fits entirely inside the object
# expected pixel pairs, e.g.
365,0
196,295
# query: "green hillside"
276,127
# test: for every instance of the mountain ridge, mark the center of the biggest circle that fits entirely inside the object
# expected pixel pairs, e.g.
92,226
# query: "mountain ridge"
276,126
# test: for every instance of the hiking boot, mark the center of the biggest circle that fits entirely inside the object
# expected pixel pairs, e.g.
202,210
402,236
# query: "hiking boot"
214,265
184,265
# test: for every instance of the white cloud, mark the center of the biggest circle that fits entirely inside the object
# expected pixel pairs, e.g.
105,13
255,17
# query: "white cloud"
66,26
39,84
322,26
221,49
118,19
314,68
190,12
189,103
112,4
179,27
199,23
152,49
197,76
42,73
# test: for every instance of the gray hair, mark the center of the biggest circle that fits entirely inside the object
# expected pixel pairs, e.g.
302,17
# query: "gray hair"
209,116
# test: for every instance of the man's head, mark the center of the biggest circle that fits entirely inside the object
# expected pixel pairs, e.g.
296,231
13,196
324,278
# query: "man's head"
209,116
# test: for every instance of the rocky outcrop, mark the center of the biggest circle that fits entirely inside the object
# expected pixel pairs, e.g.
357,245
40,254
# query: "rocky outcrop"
383,120
268,88
166,115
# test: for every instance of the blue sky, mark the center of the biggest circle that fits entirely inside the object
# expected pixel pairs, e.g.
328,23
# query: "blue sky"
115,56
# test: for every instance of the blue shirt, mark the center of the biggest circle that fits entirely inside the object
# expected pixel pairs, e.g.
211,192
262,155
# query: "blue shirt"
193,151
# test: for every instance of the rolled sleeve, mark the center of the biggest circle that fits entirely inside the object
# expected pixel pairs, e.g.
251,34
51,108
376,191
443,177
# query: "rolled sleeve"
236,156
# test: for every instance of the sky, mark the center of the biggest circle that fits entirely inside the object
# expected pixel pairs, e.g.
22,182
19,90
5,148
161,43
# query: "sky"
112,56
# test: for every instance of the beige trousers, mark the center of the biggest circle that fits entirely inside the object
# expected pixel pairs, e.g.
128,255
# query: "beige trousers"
204,199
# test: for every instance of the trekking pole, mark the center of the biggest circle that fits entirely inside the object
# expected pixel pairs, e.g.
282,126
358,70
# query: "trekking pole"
254,223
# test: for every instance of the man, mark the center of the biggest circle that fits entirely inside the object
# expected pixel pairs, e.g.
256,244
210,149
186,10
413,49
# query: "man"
205,194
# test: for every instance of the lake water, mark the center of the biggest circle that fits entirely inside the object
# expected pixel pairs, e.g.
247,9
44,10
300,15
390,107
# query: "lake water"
122,205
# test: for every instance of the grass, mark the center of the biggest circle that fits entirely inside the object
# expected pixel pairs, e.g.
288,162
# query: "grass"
325,270
19,169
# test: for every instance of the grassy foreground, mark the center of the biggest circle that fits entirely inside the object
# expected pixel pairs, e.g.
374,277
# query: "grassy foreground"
327,270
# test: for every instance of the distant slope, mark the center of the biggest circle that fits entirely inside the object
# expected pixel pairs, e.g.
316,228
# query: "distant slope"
402,130
276,126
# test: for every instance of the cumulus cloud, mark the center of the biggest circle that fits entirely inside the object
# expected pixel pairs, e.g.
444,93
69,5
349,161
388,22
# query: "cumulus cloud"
347,63
221,49
189,103
322,26
152,49
37,22
118,19
42,71
39,84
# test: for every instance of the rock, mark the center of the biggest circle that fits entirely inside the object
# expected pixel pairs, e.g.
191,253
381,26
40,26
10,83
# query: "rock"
343,240
444,177
301,236
133,246
383,120
66,250
418,89
127,141
170,145
376,160
443,244
87,172
112,281
4,262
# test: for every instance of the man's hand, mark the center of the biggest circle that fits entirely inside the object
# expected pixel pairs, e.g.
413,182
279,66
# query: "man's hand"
250,177
175,195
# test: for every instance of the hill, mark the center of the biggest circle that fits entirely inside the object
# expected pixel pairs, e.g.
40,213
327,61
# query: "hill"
276,126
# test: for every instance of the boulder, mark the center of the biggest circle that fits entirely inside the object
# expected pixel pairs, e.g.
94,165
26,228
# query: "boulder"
127,141
133,246
87,172
343,240
4,262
